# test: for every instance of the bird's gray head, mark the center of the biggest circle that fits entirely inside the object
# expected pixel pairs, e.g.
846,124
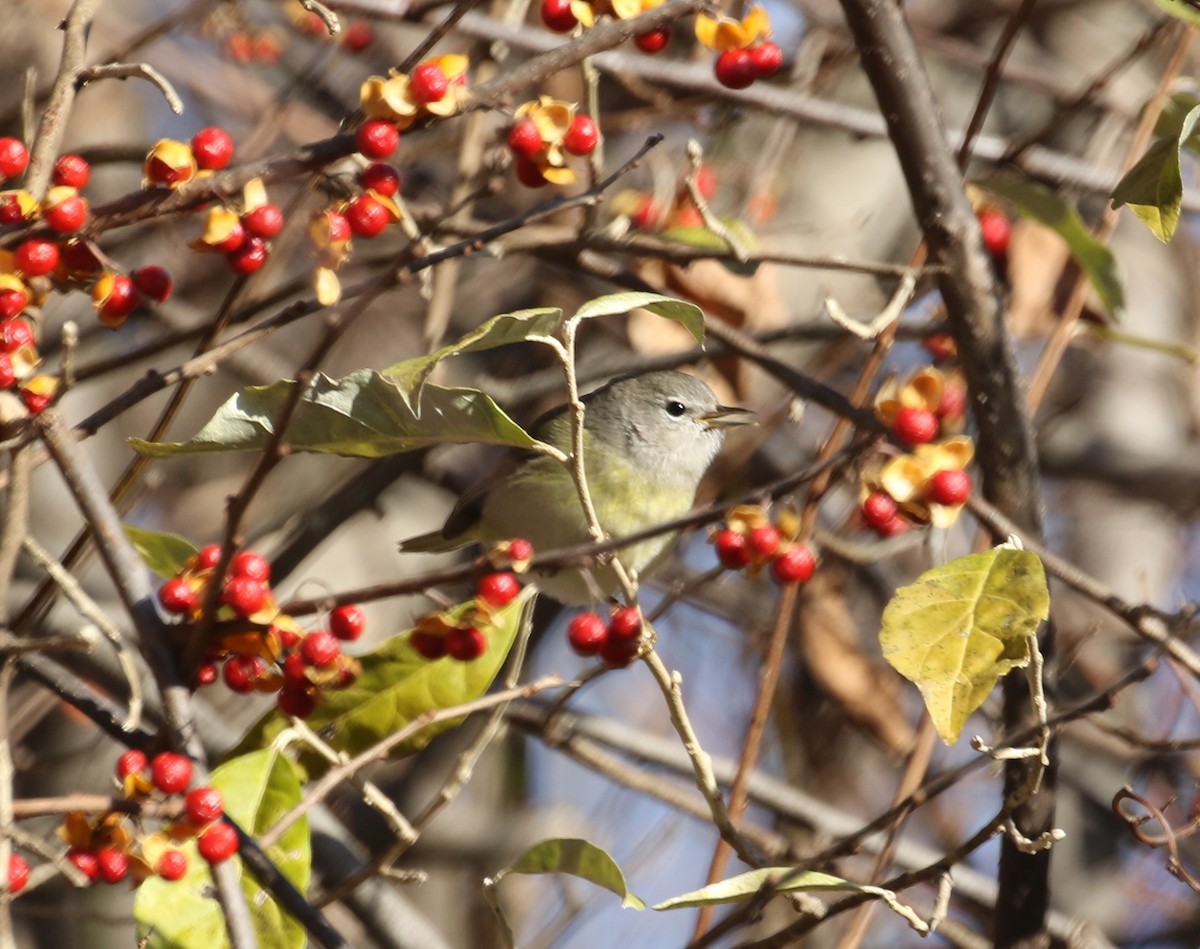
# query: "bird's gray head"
668,423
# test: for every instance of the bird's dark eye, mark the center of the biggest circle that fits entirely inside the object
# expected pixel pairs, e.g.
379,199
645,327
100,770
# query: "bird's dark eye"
675,408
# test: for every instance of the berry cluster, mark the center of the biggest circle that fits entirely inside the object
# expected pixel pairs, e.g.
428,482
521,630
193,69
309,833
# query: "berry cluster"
750,541
19,357
563,16
435,87
646,212
617,641
254,646
242,234
543,133
64,210
356,35
928,484
173,164
463,636
113,846
744,53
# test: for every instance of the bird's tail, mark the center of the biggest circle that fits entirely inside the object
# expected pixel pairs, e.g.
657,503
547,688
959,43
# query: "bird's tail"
435,542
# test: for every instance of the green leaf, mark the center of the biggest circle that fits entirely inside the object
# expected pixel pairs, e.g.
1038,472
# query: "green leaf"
962,625
690,316
1181,10
1174,114
1153,188
163,553
1038,202
364,414
747,885
395,688
701,238
258,788
579,858
538,325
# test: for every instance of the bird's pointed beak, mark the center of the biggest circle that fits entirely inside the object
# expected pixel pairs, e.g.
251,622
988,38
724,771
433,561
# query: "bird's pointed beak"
727,416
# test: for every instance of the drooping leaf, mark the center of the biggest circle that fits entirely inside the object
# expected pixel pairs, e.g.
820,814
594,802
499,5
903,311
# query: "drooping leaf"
534,325
702,238
258,789
163,553
962,625
1153,188
1174,114
395,688
579,858
363,414
537,325
746,885
1038,202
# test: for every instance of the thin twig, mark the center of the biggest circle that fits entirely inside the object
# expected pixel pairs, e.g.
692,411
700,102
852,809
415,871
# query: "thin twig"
133,71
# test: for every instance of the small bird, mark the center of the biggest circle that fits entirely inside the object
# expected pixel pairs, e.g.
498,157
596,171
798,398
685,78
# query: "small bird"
647,441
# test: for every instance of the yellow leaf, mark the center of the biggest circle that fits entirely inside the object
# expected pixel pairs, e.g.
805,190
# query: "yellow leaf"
961,626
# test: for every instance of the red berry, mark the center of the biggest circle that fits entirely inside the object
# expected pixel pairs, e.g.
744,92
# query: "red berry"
172,865
12,303
218,843
358,36
466,644
249,257
381,178
171,772
347,622
794,565
71,171
337,225
706,182
524,139
85,862
941,346
287,637
587,633
18,873
320,649
244,595
132,762
879,509
34,401
582,135
648,215
294,671
177,596
996,229
735,69
112,864
212,147
153,282
265,221
558,16
206,674
296,702
654,41
36,257
367,216
14,156
950,487
498,589
208,557
764,540
377,138
625,623
767,59
252,565
8,375
241,672
428,645
619,652
233,241
11,211
915,426
66,216
122,298
204,804
529,174
733,549
954,400
520,550
15,334
428,83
